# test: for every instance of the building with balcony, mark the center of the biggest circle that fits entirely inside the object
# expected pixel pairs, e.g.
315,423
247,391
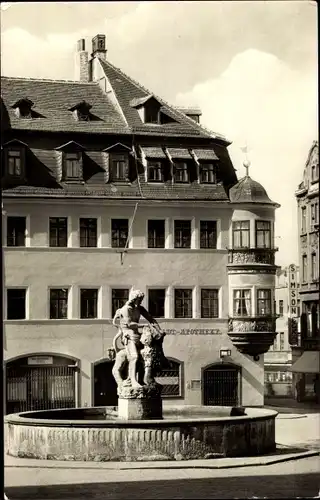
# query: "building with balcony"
306,351
278,360
107,187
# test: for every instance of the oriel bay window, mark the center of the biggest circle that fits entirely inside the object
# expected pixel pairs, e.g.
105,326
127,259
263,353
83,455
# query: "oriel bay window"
58,303
16,303
263,234
119,232
207,173
181,172
156,233
242,302
155,173
264,302
182,234
183,303
119,167
58,229
16,231
156,300
119,298
241,234
209,303
88,303
208,234
88,232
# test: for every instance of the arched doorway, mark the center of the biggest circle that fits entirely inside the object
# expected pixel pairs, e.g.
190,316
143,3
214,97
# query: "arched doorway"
221,385
40,382
105,387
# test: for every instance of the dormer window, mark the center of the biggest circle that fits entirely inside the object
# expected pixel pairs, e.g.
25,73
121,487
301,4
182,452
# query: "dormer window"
72,166
14,159
148,108
23,108
14,162
181,172
155,173
151,114
207,173
119,167
81,111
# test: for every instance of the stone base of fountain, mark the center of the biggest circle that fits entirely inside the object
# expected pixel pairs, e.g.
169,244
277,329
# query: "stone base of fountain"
142,403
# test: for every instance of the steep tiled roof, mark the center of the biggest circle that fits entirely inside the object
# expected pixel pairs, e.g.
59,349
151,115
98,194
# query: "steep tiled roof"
129,92
249,191
53,99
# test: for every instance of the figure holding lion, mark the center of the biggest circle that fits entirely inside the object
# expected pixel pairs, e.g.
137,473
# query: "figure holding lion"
142,351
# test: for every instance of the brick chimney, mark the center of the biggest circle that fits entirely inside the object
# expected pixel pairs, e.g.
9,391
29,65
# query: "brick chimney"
82,65
99,47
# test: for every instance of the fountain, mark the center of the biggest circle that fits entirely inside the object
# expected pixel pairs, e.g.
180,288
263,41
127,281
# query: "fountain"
140,429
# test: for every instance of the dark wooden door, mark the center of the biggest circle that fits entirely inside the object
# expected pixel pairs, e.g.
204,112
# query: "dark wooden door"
105,387
221,385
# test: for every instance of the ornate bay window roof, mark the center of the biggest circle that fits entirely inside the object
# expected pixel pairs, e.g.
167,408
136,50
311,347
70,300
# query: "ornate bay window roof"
248,190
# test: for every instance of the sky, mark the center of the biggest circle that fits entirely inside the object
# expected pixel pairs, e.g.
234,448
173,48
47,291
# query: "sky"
250,66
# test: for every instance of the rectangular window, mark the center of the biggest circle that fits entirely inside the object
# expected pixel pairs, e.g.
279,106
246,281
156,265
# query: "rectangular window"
303,220
16,231
275,344
281,307
208,234
242,302
182,234
119,232
14,163
119,298
183,303
151,114
314,267
264,302
156,233
58,228
304,268
316,213
281,341
263,234
312,213
88,303
88,232
207,173
241,234
72,165
16,303
156,301
181,172
119,167
155,173
58,303
209,303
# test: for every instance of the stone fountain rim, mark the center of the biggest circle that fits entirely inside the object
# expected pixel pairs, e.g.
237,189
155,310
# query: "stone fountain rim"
259,414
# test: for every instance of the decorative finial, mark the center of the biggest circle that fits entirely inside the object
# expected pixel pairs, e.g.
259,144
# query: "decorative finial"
246,165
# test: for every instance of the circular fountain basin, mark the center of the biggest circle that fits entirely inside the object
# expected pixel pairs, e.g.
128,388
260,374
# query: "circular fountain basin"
184,433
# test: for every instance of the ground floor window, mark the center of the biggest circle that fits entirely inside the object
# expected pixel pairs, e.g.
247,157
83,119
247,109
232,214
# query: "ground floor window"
170,379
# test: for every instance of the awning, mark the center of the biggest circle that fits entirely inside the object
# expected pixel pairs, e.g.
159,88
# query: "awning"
179,153
309,297
205,154
153,152
309,362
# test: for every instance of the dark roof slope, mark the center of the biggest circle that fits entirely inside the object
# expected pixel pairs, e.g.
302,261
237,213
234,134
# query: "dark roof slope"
53,99
249,191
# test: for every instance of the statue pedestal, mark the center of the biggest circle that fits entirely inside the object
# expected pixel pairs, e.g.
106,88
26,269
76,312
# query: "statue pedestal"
144,403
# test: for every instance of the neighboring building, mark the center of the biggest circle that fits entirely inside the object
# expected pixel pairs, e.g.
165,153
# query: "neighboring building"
306,352
105,187
277,361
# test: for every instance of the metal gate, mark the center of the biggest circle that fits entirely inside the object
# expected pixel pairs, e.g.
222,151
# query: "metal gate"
221,385
39,388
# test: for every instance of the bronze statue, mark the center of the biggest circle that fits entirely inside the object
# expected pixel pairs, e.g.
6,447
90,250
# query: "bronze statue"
142,352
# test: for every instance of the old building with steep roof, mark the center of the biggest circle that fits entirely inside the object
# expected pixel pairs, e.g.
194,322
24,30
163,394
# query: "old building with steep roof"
107,187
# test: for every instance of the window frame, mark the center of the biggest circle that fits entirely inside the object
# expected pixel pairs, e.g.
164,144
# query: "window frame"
189,240
304,266
281,307
95,305
240,230
119,159
215,299
72,159
87,237
314,267
190,305
66,299
57,236
126,243
265,232
181,166
180,369
267,300
20,289
154,313
154,237
15,237
155,166
215,243
242,303
10,156
153,113
204,168
114,289
303,220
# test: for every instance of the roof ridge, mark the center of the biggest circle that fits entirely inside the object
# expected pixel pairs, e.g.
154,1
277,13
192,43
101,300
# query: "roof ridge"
48,80
165,103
